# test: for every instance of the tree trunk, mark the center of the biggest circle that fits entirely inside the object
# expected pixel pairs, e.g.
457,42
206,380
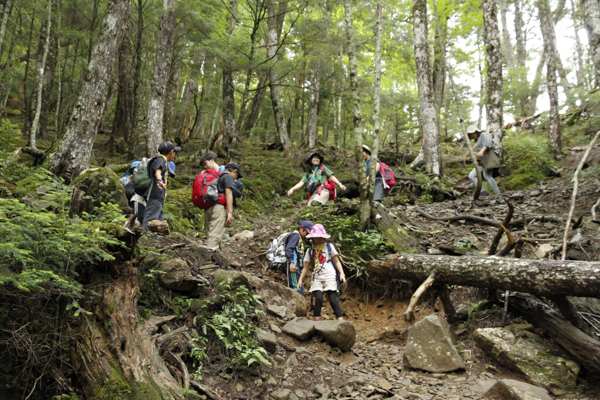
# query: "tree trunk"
313,106
491,37
272,47
114,347
338,132
122,126
365,201
535,85
427,115
590,9
43,78
549,48
580,69
539,277
75,149
138,64
160,77
171,101
519,35
376,108
298,96
506,44
256,104
439,67
585,349
5,15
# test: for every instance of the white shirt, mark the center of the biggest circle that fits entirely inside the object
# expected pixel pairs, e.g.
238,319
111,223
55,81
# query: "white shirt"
324,270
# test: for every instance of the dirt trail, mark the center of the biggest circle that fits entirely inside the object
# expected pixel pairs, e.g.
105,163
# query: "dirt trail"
374,368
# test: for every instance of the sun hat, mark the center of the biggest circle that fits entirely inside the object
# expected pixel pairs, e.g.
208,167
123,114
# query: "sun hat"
171,165
306,224
318,230
473,129
311,155
367,149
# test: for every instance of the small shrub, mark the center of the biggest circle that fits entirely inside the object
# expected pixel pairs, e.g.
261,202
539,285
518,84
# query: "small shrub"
527,161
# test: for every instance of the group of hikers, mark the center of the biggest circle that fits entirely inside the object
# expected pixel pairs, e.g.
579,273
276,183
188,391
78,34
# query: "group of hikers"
216,189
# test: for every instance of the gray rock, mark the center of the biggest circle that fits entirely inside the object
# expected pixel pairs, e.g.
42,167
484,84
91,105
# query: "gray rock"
483,385
271,381
341,334
275,328
101,185
320,389
272,293
300,394
527,353
267,339
178,276
321,361
384,384
358,379
300,329
429,346
509,389
281,394
278,311
292,361
243,235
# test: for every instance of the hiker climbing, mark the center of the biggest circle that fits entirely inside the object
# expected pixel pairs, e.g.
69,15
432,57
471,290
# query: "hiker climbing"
137,203
287,253
384,177
489,161
157,171
327,271
238,186
212,191
319,180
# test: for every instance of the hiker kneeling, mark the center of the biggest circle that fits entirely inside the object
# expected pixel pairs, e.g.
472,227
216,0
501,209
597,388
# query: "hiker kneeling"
327,271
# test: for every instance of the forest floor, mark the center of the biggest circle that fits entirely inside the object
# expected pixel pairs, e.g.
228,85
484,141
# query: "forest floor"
374,368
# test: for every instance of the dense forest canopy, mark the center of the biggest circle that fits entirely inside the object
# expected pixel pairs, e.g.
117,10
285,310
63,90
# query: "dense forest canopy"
264,70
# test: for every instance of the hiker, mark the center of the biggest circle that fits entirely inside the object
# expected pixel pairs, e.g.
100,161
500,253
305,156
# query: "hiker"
320,181
220,215
158,171
379,189
490,163
327,271
237,188
294,252
137,203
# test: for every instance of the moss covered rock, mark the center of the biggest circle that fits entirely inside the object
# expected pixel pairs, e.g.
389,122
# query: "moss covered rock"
101,185
181,213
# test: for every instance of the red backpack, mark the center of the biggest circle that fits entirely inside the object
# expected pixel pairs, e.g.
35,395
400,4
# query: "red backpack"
329,185
204,190
388,176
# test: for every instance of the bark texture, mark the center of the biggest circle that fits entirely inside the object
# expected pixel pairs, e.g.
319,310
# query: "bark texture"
75,149
124,111
272,47
313,105
547,26
590,9
539,277
519,35
581,346
256,104
506,44
427,113
491,36
114,347
160,77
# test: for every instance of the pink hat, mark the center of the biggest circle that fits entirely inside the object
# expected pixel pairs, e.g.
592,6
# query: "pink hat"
318,231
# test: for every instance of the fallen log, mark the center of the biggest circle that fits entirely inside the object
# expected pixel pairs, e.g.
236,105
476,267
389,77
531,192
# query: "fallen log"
487,221
540,277
584,348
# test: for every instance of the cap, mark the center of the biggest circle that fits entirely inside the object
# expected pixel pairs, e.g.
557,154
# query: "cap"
307,224
166,147
135,163
233,165
472,129
171,165
367,149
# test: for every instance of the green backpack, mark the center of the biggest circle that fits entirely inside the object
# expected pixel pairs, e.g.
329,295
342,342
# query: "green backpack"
141,177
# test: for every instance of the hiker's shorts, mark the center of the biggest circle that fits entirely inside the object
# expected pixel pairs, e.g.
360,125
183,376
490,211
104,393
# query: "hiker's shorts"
320,198
323,286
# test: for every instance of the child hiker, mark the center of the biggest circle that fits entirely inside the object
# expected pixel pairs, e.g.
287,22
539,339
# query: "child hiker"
327,271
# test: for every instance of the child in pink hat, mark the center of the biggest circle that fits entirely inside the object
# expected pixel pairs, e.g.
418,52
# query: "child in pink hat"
327,271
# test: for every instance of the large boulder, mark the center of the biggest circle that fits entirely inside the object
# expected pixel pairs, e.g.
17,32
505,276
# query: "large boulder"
267,339
302,329
177,276
430,346
101,185
527,353
271,293
341,334
509,389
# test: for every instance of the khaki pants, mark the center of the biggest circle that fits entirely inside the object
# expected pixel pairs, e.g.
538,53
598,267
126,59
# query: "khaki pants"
320,198
214,225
